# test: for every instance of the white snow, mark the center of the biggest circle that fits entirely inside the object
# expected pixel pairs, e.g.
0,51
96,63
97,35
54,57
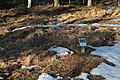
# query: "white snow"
19,28
109,7
1,78
60,19
116,19
111,54
22,28
110,25
60,50
115,29
83,76
29,26
68,25
30,67
59,78
107,71
85,25
6,74
45,76
81,25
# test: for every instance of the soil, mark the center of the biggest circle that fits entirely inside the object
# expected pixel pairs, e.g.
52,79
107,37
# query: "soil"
30,46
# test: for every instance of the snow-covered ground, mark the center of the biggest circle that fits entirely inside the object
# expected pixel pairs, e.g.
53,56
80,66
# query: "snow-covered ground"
61,51
83,76
45,76
116,19
68,25
111,54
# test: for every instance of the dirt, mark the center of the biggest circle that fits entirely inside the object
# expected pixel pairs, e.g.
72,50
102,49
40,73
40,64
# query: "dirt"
30,46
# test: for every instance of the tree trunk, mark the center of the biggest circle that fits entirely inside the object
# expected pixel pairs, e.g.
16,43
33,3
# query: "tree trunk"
83,1
56,3
89,3
69,1
118,2
29,4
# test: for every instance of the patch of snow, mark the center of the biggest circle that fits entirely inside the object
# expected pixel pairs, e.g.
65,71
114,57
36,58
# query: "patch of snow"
116,19
6,74
109,7
111,25
115,29
83,76
59,78
67,25
60,19
60,50
107,71
80,25
30,67
1,78
69,77
45,76
29,26
19,29
96,24
111,54
22,28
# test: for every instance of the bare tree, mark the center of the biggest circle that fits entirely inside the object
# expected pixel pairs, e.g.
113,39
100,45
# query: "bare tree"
56,3
89,3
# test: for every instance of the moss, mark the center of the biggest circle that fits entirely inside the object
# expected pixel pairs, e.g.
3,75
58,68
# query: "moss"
23,70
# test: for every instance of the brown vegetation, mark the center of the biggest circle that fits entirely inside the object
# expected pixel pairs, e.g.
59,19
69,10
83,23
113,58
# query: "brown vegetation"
29,47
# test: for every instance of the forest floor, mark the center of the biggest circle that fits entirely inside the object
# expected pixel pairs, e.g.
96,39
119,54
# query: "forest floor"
30,46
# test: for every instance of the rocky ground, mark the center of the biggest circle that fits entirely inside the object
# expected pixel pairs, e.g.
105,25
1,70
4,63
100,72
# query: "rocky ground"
30,46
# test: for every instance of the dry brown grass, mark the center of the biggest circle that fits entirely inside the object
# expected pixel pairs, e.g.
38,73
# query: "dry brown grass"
71,65
29,46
